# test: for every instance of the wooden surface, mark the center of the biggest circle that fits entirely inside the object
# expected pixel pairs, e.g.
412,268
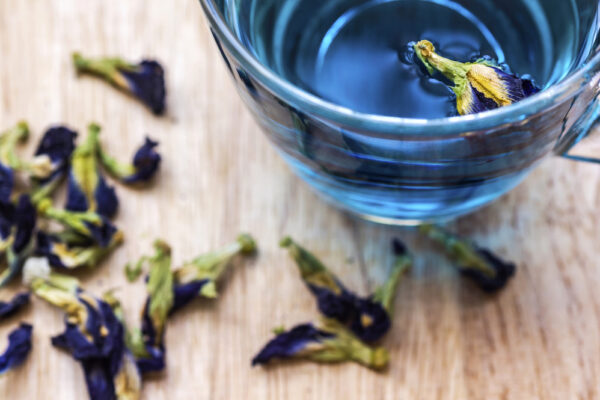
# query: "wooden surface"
539,338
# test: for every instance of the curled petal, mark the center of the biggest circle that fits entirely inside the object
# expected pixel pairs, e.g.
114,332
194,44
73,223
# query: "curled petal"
143,167
10,308
19,346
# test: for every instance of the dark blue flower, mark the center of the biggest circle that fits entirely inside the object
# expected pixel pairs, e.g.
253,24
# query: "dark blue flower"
144,166
10,308
145,80
19,346
367,317
55,149
87,188
7,182
487,270
331,342
93,334
479,86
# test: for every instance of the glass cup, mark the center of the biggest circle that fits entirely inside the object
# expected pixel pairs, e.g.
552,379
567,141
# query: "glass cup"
405,171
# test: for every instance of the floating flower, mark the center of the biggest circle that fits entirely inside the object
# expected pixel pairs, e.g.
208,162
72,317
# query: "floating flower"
479,86
144,80
331,342
482,266
54,151
19,346
199,277
94,335
88,224
368,317
87,188
11,307
143,167
73,251
17,222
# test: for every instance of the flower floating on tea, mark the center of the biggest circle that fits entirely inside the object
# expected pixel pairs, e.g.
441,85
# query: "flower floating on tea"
486,269
368,317
19,346
329,343
55,148
88,190
93,334
11,307
479,86
143,167
145,80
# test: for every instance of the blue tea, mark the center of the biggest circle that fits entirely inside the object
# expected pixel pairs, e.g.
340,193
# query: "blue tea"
354,52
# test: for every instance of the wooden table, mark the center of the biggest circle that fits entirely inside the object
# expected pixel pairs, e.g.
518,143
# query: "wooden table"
536,339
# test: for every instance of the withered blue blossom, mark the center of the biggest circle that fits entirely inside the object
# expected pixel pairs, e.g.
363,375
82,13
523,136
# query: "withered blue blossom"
7,182
486,269
330,342
144,80
143,167
87,188
19,346
93,334
17,223
368,317
14,305
478,86
88,224
56,145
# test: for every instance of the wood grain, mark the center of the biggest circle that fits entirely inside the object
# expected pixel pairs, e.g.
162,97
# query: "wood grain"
538,339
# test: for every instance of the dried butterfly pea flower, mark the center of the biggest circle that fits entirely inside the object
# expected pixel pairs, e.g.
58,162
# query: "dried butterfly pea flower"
93,334
56,148
487,270
330,342
11,307
8,143
144,80
81,252
87,188
368,317
88,224
143,167
19,346
17,222
199,277
479,86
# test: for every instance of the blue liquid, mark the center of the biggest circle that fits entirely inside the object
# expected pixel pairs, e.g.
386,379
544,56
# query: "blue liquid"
354,53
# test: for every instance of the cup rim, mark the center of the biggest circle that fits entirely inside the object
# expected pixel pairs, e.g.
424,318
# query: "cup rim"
373,124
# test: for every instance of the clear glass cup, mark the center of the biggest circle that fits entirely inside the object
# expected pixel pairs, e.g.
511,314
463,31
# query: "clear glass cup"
402,170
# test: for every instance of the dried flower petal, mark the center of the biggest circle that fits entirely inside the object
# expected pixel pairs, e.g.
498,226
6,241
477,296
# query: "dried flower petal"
331,342
479,86
57,146
144,80
94,335
87,224
11,307
8,143
19,346
368,317
199,277
143,167
87,189
483,267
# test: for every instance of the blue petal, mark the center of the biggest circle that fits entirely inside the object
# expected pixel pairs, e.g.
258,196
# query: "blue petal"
44,248
289,343
57,143
154,345
11,307
19,346
147,83
7,182
104,195
76,198
25,219
378,321
185,293
102,233
504,271
146,161
7,218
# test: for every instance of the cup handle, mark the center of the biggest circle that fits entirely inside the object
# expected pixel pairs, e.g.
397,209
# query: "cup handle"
568,145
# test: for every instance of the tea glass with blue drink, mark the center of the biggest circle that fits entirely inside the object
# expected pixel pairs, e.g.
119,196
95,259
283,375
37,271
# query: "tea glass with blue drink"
333,86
